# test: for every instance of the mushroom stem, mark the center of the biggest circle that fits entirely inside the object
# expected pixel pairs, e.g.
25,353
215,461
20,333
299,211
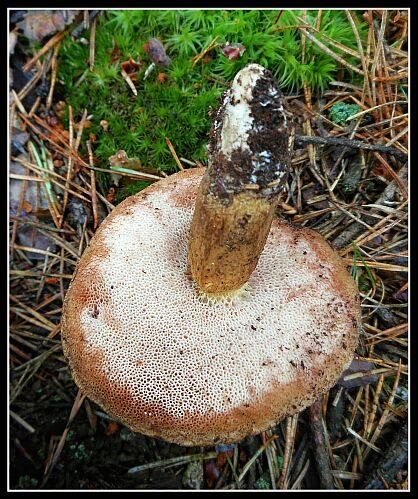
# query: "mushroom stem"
248,160
227,240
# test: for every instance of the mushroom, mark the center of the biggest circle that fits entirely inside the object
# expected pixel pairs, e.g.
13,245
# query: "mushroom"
195,315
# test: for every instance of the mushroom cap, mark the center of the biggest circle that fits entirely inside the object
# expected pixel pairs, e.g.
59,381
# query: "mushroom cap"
170,363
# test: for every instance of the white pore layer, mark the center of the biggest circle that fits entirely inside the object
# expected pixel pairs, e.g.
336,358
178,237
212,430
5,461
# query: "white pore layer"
237,121
169,347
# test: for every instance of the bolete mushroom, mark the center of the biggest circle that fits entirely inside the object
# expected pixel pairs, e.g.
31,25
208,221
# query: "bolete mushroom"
195,315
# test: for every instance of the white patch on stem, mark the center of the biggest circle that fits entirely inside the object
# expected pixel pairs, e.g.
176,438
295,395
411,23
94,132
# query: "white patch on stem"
237,121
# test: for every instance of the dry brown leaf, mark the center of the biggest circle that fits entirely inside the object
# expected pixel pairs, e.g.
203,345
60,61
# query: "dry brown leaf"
358,366
38,24
131,68
26,206
116,53
112,428
51,280
233,51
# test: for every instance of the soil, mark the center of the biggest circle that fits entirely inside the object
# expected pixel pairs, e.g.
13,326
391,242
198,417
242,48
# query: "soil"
92,458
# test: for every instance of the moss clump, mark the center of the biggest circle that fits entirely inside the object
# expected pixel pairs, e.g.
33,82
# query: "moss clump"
263,483
27,482
79,452
339,113
177,108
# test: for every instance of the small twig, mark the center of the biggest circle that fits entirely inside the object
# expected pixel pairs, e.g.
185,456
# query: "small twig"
375,231
346,475
92,43
76,32
128,80
57,452
301,476
54,67
69,165
18,102
211,46
173,461
173,152
362,56
378,49
46,186
70,159
42,281
35,364
392,173
330,52
31,83
49,44
291,423
90,415
397,136
42,226
30,249
386,411
148,70
24,451
86,20
22,422
191,163
233,466
80,131
399,76
62,258
366,442
127,172
393,460
353,144
319,446
34,107
255,456
37,170
93,186
355,231
272,462
59,137
82,238
108,205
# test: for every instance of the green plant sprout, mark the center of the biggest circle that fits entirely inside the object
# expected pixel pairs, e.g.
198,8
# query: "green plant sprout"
339,113
364,282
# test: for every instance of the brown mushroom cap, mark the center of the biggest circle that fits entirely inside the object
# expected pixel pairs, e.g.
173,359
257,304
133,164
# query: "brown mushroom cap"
169,362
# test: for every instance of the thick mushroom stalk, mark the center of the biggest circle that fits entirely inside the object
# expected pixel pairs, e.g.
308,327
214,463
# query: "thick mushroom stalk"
248,161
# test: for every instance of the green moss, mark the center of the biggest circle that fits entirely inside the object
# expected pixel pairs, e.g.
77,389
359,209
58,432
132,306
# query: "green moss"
79,452
263,483
27,482
363,276
339,113
178,108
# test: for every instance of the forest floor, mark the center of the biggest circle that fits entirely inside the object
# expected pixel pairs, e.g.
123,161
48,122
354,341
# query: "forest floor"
349,182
